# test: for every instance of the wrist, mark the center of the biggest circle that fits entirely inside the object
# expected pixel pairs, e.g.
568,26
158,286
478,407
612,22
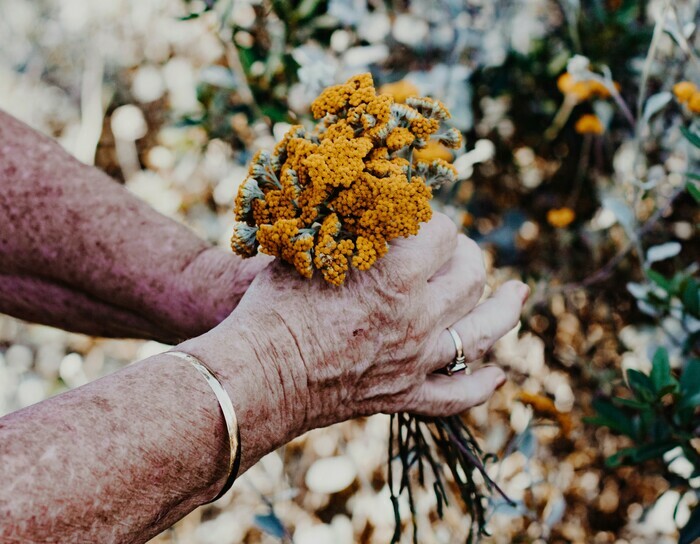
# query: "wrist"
207,290
254,374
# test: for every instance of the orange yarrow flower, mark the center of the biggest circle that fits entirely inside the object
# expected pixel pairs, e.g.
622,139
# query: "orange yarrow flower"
684,91
333,198
694,102
589,124
582,90
561,217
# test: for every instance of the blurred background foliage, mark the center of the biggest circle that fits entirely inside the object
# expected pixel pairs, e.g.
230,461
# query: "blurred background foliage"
580,175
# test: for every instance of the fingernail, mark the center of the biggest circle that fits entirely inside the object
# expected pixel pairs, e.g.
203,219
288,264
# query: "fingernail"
500,381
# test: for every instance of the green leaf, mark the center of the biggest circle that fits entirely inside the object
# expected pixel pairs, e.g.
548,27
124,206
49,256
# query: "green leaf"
691,136
690,385
678,281
661,377
618,458
651,451
668,388
691,297
306,9
659,279
640,454
691,532
693,187
630,403
282,8
641,385
609,415
691,341
659,430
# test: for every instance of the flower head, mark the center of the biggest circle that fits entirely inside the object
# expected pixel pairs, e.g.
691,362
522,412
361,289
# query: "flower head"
581,90
333,198
248,192
694,102
451,138
684,91
244,240
589,124
561,217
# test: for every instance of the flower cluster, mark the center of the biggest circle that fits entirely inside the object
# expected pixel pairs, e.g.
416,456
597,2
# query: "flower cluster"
333,197
561,217
589,123
688,93
581,90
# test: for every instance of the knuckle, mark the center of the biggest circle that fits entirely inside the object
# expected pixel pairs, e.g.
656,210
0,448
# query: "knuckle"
444,226
394,271
479,340
475,285
483,344
471,246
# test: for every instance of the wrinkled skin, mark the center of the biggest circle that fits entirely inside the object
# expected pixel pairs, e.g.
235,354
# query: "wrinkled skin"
328,354
80,252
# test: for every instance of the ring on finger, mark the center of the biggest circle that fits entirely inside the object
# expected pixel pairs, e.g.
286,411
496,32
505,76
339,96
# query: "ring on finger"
459,363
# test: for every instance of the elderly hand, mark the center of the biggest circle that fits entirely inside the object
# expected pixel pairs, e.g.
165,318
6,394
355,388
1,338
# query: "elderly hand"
326,354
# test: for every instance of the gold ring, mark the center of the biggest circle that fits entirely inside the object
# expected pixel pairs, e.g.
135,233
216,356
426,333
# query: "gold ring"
460,361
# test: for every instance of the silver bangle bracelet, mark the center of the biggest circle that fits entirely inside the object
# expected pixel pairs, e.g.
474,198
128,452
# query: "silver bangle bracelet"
229,416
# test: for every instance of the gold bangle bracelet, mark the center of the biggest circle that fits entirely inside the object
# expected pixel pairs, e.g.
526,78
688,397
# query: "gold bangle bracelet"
229,416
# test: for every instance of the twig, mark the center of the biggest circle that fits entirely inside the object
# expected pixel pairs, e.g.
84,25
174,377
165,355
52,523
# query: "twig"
641,122
684,45
581,170
234,64
91,111
479,466
560,118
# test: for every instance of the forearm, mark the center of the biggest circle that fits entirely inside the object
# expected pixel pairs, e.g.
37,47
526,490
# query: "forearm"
44,301
68,229
123,458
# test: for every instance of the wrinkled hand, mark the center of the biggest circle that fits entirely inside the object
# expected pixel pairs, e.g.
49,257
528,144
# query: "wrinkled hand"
373,345
330,353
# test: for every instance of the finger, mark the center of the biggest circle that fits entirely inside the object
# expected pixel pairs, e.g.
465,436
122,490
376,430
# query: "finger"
458,286
448,395
431,248
484,325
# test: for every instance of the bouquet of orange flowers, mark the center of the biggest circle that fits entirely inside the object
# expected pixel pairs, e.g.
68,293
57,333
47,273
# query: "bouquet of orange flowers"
331,199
